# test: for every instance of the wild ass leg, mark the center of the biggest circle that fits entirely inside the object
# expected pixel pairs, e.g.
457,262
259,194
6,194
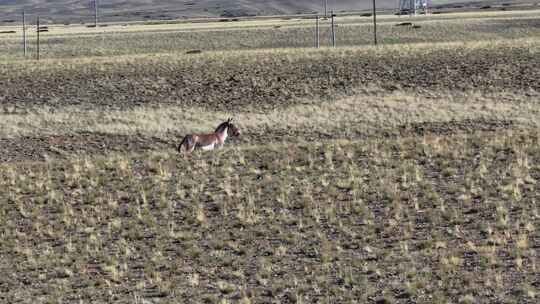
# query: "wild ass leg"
191,143
183,142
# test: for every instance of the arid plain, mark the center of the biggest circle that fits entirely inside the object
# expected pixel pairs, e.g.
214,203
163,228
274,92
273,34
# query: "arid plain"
403,173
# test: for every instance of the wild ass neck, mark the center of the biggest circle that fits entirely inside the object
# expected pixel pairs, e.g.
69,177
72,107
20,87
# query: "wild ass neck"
222,134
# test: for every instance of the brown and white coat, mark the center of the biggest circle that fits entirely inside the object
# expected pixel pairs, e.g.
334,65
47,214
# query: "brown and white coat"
209,141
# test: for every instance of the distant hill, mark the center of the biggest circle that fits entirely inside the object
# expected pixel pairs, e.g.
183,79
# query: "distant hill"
116,10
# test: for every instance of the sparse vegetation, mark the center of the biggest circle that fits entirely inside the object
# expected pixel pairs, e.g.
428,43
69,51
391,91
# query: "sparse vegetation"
341,220
151,39
406,173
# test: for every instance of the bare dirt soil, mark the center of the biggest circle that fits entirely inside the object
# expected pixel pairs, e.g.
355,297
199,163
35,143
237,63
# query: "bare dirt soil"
262,81
56,146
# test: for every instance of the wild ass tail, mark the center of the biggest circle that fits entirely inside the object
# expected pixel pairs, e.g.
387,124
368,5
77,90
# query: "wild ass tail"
184,141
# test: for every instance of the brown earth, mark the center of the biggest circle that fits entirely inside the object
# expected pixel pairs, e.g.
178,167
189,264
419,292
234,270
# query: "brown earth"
260,81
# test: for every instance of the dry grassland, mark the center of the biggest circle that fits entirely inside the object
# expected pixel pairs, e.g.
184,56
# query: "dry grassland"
121,39
431,219
407,173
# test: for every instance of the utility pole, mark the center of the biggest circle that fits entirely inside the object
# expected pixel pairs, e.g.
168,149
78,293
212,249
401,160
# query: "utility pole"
317,33
325,4
24,32
95,13
37,29
413,7
333,30
374,23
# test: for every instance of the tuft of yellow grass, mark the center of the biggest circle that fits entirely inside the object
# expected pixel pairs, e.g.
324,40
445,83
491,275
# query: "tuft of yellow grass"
365,112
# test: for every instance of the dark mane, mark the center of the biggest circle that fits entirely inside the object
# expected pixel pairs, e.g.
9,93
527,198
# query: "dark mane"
222,126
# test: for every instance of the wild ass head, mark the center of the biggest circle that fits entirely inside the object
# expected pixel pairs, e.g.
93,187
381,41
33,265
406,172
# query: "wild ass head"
233,130
228,126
